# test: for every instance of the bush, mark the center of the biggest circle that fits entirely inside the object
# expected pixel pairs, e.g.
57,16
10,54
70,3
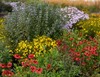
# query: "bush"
89,27
5,7
1,29
2,34
35,19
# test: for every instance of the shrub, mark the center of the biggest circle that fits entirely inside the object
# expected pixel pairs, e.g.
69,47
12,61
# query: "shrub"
89,27
5,7
1,29
2,34
35,19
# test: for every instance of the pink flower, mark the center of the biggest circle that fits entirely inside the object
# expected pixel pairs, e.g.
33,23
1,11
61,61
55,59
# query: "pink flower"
23,64
87,54
39,70
35,61
7,73
9,65
77,59
32,68
17,56
30,56
3,65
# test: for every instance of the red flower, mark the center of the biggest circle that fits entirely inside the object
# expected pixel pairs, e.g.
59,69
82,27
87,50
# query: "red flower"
64,47
83,63
87,54
9,65
39,70
0,64
17,56
77,54
48,66
88,59
77,59
71,39
30,56
32,68
7,73
94,53
80,43
35,61
3,65
59,42
23,64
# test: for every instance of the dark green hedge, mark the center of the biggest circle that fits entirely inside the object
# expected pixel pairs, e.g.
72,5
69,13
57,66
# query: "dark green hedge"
5,7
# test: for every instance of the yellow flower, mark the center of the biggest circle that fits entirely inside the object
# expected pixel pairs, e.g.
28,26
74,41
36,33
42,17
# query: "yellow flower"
38,46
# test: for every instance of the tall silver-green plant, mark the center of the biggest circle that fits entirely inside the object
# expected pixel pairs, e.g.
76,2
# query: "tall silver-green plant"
32,20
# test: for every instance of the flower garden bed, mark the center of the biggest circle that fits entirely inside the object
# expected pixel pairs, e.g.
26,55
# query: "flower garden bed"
44,40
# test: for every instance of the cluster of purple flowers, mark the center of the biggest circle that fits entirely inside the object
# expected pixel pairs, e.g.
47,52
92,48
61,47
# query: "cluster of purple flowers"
74,16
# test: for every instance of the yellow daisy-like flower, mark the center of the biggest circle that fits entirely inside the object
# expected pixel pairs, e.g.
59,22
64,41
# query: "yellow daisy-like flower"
38,46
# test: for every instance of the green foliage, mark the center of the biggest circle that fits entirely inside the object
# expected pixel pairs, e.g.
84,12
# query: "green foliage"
35,19
57,66
4,57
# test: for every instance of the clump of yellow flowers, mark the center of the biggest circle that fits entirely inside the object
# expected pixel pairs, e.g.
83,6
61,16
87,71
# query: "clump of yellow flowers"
90,27
2,37
24,48
43,44
39,46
